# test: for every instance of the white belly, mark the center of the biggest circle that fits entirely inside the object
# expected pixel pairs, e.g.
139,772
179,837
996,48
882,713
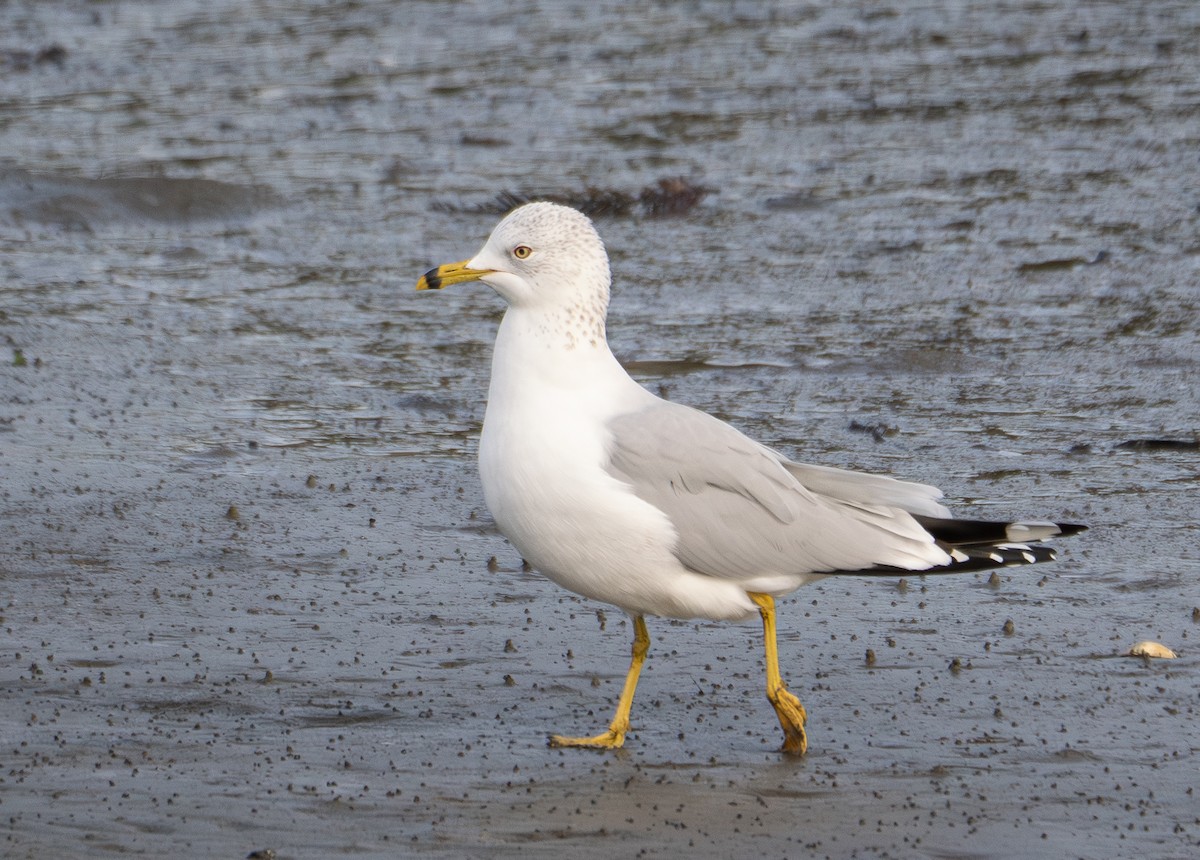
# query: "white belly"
542,459
550,496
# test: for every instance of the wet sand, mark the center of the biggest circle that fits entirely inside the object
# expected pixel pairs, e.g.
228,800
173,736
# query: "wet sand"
248,599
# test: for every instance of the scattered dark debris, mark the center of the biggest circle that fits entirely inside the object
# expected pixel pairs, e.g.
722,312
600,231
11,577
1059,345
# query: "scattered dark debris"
798,201
667,197
901,247
591,201
1060,264
671,196
877,431
23,61
482,140
397,171
1051,265
77,203
1160,445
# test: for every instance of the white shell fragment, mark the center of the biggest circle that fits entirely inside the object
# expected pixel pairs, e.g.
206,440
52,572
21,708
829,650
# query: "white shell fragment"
1152,649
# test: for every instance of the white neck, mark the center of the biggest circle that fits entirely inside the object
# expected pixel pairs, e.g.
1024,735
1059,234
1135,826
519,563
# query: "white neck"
537,356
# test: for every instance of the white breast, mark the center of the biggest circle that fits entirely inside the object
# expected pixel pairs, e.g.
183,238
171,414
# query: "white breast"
542,458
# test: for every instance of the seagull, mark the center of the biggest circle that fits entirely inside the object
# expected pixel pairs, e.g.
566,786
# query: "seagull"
659,509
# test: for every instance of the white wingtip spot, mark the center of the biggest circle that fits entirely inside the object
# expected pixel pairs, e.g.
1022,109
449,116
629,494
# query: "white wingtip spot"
1031,531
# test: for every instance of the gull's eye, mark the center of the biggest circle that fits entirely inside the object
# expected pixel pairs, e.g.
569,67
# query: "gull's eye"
522,252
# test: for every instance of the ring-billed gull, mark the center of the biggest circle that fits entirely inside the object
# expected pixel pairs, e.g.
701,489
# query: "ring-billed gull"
626,498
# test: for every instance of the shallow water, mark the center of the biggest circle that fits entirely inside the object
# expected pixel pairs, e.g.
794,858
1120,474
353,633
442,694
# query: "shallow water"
247,603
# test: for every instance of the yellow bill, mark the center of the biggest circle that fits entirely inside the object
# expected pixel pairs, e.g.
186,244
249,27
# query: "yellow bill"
451,273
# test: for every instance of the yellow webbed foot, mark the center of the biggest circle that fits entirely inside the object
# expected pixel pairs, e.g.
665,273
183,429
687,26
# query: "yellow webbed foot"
609,740
615,736
792,718
791,713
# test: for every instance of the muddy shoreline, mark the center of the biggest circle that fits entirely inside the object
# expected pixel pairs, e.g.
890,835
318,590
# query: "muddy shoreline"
250,596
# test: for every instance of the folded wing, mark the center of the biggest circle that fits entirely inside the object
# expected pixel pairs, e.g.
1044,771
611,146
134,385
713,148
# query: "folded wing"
742,511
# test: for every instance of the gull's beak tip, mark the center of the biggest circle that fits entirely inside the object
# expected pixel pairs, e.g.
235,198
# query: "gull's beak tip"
430,280
451,273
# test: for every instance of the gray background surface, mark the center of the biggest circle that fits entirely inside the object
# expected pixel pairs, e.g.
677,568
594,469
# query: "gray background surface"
970,227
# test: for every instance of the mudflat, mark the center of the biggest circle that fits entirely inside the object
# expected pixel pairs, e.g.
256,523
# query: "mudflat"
250,597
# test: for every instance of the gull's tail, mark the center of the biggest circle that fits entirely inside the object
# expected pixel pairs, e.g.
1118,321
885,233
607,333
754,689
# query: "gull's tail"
980,545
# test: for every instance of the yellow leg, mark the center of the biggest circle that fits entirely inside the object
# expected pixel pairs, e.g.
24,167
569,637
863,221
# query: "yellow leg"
615,736
787,707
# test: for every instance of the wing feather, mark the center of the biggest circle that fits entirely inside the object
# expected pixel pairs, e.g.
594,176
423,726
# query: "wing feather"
742,511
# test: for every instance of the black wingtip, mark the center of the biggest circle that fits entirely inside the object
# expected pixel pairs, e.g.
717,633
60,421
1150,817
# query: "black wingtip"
967,560
976,545
952,532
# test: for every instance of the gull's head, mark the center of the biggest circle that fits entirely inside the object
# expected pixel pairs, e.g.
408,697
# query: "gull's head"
541,255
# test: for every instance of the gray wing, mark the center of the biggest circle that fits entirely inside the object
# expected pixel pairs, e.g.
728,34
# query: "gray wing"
869,489
741,510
